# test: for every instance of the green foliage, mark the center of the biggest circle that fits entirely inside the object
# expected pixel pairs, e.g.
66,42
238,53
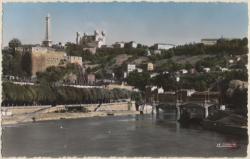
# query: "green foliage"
56,74
170,66
229,47
14,43
238,101
16,64
139,80
44,94
211,62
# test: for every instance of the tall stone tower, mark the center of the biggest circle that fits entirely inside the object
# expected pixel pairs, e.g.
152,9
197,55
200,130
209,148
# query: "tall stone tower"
77,38
47,42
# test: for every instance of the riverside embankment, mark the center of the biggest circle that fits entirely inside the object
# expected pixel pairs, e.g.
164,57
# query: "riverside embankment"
15,115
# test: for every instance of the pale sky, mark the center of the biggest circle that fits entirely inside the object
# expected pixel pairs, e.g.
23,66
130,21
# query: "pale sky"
146,23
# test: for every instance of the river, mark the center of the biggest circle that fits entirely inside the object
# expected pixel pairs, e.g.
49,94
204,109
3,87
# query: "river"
131,136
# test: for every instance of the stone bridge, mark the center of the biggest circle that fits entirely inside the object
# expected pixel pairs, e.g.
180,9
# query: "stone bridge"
189,110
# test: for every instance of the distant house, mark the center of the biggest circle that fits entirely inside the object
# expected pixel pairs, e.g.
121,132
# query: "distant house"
139,70
119,45
148,53
131,44
131,68
91,78
154,75
165,72
231,61
75,59
206,69
163,46
157,51
160,90
184,71
224,69
125,75
150,66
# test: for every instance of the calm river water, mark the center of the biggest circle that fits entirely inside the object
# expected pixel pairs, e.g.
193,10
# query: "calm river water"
132,136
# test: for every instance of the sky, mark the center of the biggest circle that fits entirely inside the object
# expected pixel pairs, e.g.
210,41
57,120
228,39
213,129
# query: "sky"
146,23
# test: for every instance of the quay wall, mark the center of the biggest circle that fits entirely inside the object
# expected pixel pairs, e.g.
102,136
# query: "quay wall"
117,106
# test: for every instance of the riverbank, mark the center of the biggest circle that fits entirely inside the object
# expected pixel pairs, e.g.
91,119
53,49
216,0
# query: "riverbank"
43,113
67,115
226,122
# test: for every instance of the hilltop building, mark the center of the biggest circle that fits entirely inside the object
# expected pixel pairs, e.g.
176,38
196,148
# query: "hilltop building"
163,46
119,45
131,44
209,41
97,40
91,42
43,57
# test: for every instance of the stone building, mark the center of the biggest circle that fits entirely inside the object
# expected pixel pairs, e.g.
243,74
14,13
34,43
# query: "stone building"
97,40
163,46
43,57
74,59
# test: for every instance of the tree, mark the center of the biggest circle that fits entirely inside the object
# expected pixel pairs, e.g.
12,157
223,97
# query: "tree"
14,43
139,80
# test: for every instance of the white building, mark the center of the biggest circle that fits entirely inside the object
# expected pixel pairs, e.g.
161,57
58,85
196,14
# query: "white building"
154,75
74,59
125,75
184,71
139,70
160,90
209,41
148,53
224,69
162,46
131,68
150,67
231,61
119,45
132,44
206,69
157,51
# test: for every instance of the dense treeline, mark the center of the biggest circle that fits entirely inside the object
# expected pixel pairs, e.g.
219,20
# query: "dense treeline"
199,82
44,95
234,47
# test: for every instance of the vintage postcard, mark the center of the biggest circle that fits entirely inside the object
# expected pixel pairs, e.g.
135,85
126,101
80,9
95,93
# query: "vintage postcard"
124,79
